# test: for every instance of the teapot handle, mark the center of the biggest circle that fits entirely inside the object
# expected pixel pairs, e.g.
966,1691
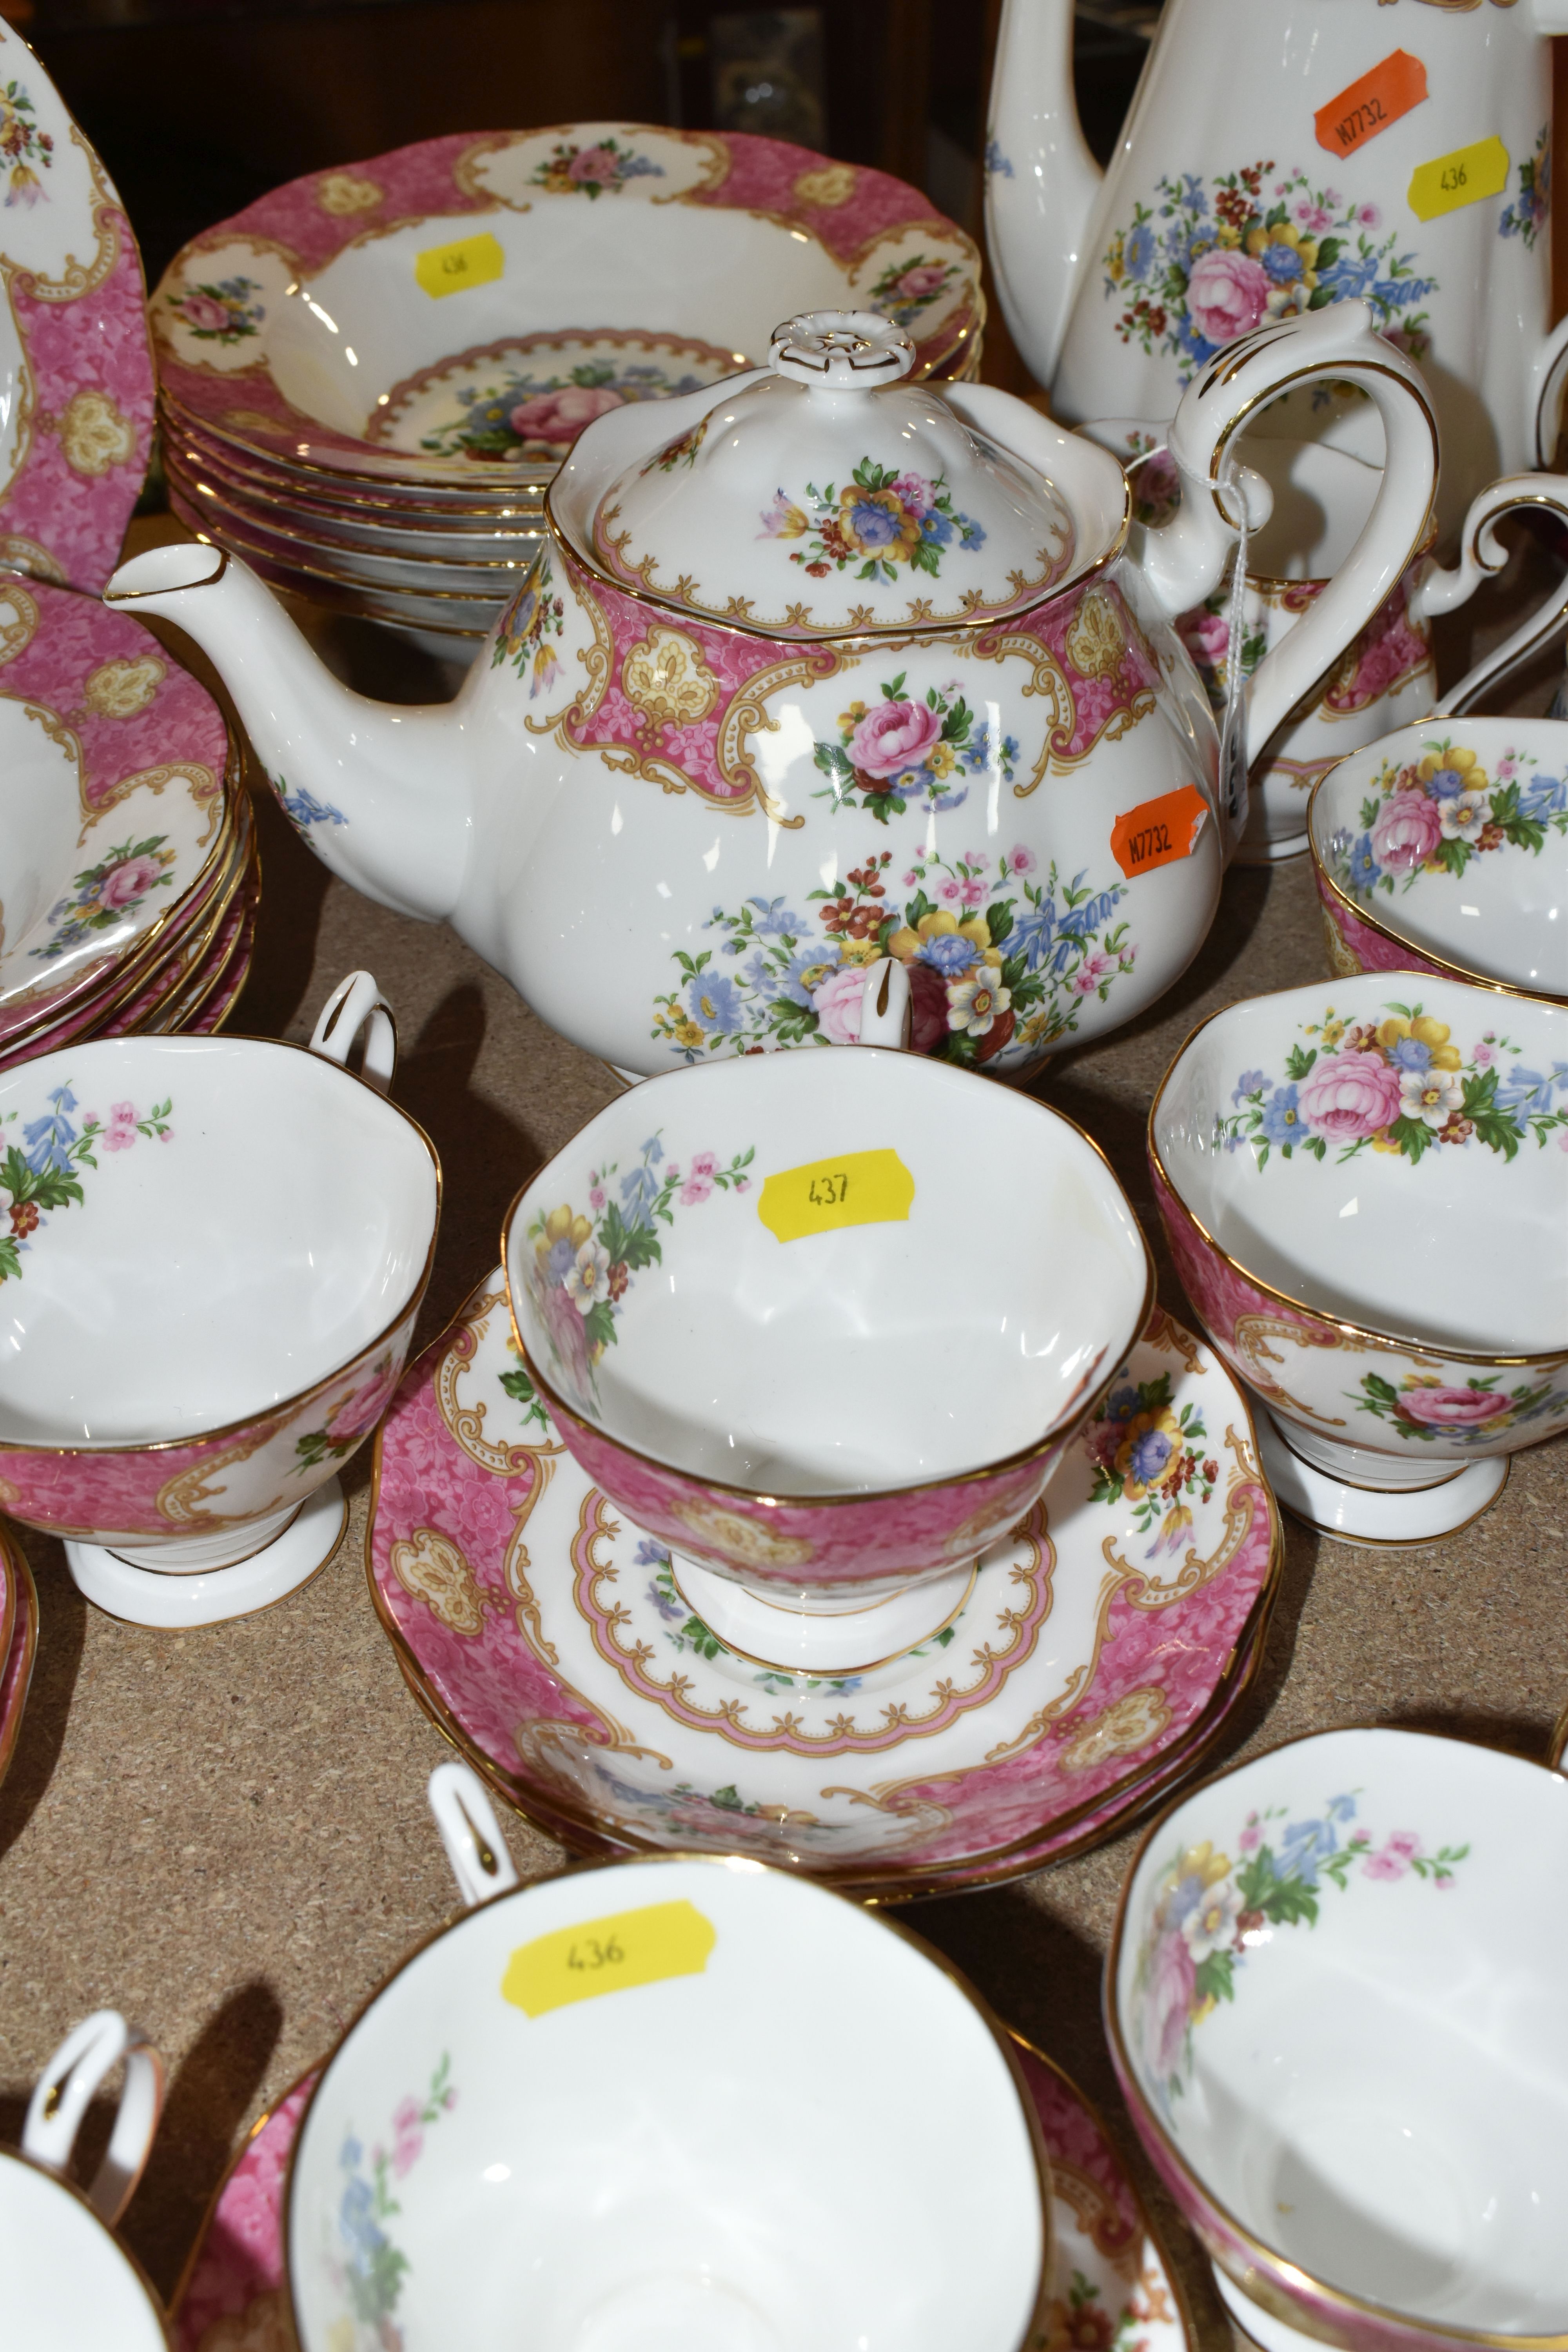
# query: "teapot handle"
1184,558
1481,556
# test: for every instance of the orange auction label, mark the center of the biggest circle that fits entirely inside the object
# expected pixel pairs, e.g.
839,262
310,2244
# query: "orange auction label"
628,1948
1371,104
859,1188
1157,833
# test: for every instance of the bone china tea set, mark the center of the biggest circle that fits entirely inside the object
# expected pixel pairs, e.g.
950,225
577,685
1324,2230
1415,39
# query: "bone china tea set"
810,693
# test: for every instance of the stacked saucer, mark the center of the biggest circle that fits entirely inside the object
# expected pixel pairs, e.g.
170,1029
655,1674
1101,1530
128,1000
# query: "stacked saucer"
370,377
129,871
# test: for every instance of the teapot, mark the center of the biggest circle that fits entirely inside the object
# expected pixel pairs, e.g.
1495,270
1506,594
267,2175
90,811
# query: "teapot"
1276,161
818,669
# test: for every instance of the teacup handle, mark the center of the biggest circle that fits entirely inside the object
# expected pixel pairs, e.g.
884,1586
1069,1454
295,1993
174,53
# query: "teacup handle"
1559,1748
471,1833
1184,560
884,1005
1481,556
355,1000
64,2090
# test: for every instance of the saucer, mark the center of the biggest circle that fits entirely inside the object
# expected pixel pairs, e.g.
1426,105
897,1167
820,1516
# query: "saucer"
1095,1658
18,1640
1113,2286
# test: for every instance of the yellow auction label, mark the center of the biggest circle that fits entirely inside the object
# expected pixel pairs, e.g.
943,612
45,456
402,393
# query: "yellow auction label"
863,1188
629,1948
448,268
1462,178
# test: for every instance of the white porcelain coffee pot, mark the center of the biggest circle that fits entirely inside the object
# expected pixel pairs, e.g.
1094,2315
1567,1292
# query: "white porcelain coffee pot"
1277,161
819,667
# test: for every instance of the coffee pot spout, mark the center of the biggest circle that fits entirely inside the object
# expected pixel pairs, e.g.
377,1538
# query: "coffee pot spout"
382,795
1041,182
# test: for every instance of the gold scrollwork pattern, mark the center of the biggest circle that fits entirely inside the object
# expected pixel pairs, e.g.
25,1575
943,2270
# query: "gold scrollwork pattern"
430,1568
26,555
19,621
120,688
666,677
79,278
201,783
467,1422
182,1500
1129,1723
1252,1335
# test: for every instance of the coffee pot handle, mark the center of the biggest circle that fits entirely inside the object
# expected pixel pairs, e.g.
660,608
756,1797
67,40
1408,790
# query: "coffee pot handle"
471,1833
355,1002
1184,558
64,2090
1481,556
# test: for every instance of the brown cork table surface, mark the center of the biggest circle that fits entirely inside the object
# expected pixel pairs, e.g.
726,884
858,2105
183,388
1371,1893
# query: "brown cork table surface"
223,1833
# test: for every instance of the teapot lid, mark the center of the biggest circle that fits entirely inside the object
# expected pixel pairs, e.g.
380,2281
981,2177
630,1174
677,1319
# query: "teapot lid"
824,496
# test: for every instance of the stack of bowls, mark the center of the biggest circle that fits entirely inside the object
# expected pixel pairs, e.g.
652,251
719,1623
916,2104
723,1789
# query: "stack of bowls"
370,377
129,872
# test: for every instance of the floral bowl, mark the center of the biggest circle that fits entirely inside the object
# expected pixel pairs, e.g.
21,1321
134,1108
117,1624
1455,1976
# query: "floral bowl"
213,1254
1313,1152
466,306
755,1299
1444,848
1332,2003
678,2105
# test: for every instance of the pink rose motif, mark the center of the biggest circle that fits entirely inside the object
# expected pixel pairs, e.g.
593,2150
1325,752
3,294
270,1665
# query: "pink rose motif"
596,165
915,492
1250,1837
408,2136
363,1408
202,312
974,892
952,891
838,1002
122,884
596,1198
1206,637
1451,1408
1484,1055
123,1114
1227,294
700,1177
893,737
1172,1983
1023,861
919,283
561,415
1348,1096
1407,831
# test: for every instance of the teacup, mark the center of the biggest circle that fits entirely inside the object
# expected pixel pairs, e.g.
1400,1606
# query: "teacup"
1386,677
671,2106
1445,849
1365,1184
215,1252
1333,2004
71,2286
756,1295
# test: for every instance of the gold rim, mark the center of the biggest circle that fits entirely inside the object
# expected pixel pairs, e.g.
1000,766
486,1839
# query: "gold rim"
1381,1341
1109,1814
286,1406
1272,2267
58,2180
24,1612
1033,2331
1394,1543
188,2269
227,510
1443,966
1058,1433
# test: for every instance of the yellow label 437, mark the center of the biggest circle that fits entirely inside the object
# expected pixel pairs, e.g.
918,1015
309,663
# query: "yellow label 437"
628,1948
859,1188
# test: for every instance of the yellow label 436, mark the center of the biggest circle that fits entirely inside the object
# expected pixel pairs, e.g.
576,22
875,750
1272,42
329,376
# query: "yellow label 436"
859,1188
1463,177
628,1948
448,268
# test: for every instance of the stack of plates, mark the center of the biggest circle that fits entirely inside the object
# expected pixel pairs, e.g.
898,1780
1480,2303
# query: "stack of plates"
129,873
369,378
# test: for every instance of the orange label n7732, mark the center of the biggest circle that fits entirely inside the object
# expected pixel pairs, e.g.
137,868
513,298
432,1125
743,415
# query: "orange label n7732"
1368,106
1157,833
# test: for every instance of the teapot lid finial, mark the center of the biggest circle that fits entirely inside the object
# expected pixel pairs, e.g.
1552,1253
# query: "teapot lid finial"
843,350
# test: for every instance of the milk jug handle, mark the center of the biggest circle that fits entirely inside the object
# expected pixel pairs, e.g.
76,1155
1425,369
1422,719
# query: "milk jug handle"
1481,556
1337,345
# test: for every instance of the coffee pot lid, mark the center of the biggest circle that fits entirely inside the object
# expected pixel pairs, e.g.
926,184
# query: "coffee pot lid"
826,497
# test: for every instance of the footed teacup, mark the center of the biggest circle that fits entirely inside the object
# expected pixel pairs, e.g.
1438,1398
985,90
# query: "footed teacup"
1334,2004
681,2105
1365,1184
1444,848
762,1301
215,1252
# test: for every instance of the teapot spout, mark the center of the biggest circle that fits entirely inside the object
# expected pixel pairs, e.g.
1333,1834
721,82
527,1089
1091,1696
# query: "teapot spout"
1041,181
380,794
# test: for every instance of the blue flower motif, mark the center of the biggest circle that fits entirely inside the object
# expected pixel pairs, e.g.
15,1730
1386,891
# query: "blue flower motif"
760,975
649,1554
357,2224
1282,263
873,526
1446,783
806,970
1305,1844
671,1610
1080,921
972,533
1150,1455
773,919
1410,1054
1544,796
560,1259
1282,1120
1033,931
49,1135
937,527
1121,1405
1251,1082
948,953
1139,249
640,1190
714,1004
1363,866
